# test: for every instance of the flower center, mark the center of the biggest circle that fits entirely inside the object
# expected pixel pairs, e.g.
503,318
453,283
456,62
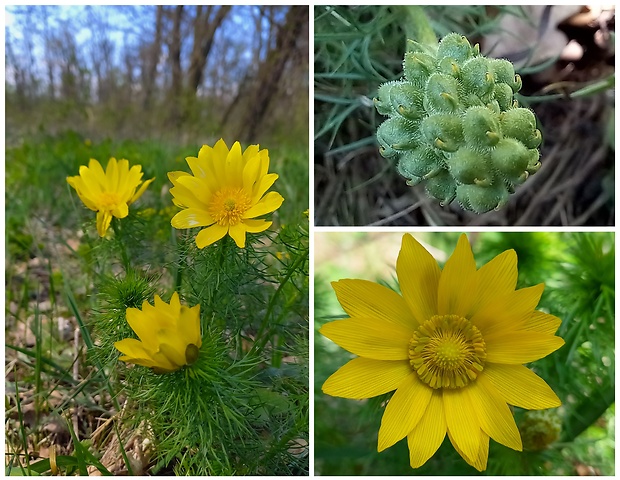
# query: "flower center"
109,200
228,206
447,351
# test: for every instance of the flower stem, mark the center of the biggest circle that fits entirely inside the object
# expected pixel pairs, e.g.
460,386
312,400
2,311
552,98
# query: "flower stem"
118,238
417,25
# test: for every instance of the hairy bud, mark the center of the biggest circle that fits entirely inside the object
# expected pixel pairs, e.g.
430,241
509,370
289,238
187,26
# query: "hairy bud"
455,125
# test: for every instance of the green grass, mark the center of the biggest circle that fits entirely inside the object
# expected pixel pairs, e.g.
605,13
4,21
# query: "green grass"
67,395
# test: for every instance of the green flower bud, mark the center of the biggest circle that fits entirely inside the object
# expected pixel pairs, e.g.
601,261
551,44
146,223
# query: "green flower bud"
539,429
453,124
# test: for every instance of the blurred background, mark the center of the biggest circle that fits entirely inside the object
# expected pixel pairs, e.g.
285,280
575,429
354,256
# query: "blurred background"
565,56
577,438
158,71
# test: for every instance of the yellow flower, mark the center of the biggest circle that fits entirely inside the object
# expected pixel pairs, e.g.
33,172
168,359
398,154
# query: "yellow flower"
225,193
111,192
169,335
452,346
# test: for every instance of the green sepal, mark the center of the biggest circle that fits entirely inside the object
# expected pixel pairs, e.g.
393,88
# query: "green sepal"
419,163
396,133
470,166
442,187
477,76
503,95
481,199
481,127
417,67
443,131
441,94
511,158
455,46
407,100
520,123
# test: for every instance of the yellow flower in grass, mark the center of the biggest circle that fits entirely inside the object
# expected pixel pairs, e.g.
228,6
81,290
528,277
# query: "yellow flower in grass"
169,335
109,192
225,193
453,347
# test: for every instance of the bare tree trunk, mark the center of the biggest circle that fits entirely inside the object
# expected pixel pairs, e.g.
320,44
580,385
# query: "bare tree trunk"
152,59
176,87
204,32
272,69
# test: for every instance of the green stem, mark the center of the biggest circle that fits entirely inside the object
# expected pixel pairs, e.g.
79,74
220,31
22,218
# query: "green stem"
119,241
417,25
260,343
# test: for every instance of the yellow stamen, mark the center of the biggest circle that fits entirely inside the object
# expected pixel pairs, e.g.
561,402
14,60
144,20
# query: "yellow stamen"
228,205
109,200
447,351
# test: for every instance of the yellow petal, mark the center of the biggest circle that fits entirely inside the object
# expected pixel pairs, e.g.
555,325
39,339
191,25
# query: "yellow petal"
218,161
173,351
494,416
189,324
480,462
134,352
361,298
120,211
97,171
496,278
515,348
234,166
111,174
250,173
521,387
141,190
93,185
190,218
141,323
403,411
366,378
103,222
209,235
267,204
428,435
196,186
264,183
418,276
508,312
370,337
184,197
458,282
462,423
237,233
256,226
542,323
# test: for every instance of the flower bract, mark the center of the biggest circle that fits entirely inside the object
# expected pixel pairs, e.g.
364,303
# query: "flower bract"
109,192
452,346
226,192
169,335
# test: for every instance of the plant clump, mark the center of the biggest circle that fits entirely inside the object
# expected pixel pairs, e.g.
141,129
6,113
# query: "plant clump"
455,125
